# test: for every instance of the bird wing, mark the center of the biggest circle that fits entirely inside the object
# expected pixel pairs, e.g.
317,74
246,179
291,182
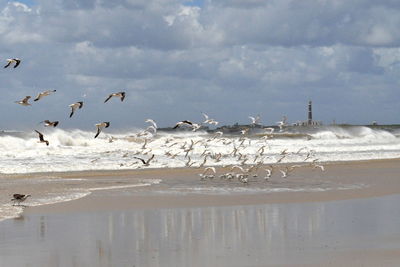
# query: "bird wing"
187,122
17,62
148,161
40,135
142,160
152,122
98,132
38,97
122,96
25,100
108,98
8,64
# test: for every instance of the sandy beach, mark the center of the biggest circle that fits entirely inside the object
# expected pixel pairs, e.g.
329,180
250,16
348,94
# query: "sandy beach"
344,215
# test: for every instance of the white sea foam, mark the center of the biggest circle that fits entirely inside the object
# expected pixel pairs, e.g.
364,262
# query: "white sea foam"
77,150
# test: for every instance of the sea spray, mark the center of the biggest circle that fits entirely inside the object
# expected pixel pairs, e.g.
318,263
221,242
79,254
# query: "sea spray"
77,150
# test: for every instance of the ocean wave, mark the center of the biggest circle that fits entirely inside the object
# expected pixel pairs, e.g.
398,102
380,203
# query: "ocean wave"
78,150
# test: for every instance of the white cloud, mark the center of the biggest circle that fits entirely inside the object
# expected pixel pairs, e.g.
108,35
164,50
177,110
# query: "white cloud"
379,35
227,57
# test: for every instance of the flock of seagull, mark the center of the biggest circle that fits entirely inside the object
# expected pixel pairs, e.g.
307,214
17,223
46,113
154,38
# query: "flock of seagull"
15,62
247,165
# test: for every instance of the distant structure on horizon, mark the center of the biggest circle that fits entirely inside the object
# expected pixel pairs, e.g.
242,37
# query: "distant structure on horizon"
309,121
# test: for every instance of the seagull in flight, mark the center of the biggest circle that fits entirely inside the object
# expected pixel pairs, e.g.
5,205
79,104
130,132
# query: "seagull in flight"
314,165
152,122
100,126
48,123
75,106
18,198
24,102
255,120
43,94
282,123
121,95
41,138
15,61
284,173
178,124
145,162
208,120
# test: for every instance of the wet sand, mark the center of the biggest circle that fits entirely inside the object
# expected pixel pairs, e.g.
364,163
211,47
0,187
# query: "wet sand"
148,227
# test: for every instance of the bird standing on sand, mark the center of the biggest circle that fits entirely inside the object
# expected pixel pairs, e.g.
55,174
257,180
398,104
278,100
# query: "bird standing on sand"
41,138
121,95
18,198
15,61
48,123
43,94
24,102
100,126
75,106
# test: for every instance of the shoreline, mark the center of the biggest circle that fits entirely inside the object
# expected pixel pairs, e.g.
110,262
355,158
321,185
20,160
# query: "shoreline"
364,176
123,172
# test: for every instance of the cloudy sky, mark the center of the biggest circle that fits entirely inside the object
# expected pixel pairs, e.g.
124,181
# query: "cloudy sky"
175,59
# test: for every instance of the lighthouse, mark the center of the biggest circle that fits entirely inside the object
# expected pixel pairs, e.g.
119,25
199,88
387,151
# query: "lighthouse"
310,121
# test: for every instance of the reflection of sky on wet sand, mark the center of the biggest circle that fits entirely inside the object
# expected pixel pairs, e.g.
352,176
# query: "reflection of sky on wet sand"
210,236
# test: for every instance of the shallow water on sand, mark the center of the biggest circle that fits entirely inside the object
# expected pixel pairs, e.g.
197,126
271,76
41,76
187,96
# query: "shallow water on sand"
260,235
50,189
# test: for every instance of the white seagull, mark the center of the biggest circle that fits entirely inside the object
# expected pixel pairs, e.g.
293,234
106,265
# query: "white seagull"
282,123
121,95
255,120
284,173
24,102
75,106
152,122
42,94
318,166
100,126
268,174
208,120
10,61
